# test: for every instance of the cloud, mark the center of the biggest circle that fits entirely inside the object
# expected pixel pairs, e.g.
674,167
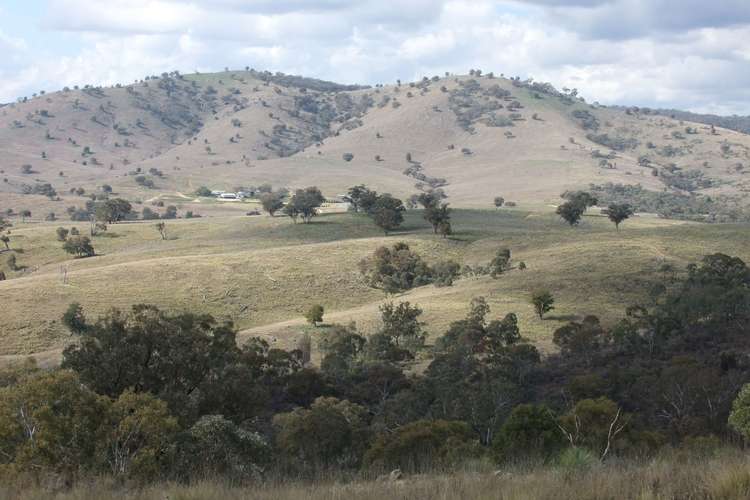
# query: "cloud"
620,19
665,53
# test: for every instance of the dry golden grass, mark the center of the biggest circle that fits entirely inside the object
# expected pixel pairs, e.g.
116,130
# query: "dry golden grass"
263,273
726,477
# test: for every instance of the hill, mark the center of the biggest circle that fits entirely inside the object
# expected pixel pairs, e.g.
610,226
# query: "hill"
473,136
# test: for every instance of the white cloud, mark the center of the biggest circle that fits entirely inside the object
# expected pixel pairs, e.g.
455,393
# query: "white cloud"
614,51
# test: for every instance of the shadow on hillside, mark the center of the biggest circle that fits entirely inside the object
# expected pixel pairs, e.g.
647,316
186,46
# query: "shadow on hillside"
562,317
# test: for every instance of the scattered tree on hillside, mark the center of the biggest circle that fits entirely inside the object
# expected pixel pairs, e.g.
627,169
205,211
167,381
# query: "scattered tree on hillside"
362,198
80,246
619,212
271,202
111,211
388,212
162,228
543,301
24,214
499,201
314,315
348,156
435,212
500,263
304,203
573,209
203,191
62,234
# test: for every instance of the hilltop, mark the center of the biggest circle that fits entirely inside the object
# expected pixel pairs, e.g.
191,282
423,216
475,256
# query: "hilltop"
474,136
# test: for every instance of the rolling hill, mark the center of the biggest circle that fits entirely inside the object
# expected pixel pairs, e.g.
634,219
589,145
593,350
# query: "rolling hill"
475,137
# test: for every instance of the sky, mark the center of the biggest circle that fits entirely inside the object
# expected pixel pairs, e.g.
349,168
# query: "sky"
685,54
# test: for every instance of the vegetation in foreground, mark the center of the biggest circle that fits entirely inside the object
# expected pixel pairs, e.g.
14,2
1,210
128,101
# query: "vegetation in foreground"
147,396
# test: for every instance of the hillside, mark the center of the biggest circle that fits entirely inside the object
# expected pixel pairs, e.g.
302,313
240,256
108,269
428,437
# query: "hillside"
476,137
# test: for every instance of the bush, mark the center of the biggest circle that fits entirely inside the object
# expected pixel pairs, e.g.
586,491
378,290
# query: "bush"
529,432
422,446
347,156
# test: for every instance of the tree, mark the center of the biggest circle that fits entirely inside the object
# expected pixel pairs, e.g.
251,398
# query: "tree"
111,211
582,339
402,326
573,209
499,201
542,301
304,203
361,198
500,263
530,431
80,246
314,315
330,432
62,234
24,214
594,424
739,419
570,212
423,446
395,269
435,212
6,241
217,446
271,203
162,228
387,213
619,212
203,191
48,421
139,434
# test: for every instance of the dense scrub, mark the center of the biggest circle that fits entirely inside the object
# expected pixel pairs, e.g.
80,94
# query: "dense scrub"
146,395
673,205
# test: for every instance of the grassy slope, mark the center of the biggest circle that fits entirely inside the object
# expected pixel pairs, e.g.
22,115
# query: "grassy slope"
263,272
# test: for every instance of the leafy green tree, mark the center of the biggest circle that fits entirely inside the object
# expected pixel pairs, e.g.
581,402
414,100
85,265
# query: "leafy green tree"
739,419
500,263
217,446
111,211
74,319
619,212
80,246
314,315
395,269
361,198
594,424
271,203
571,212
25,214
582,339
499,201
139,433
573,209
203,191
175,357
402,326
49,423
6,241
304,203
530,431
422,446
388,212
543,301
436,212
331,432
62,233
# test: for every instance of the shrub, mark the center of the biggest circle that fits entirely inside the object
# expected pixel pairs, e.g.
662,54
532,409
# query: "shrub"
423,445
